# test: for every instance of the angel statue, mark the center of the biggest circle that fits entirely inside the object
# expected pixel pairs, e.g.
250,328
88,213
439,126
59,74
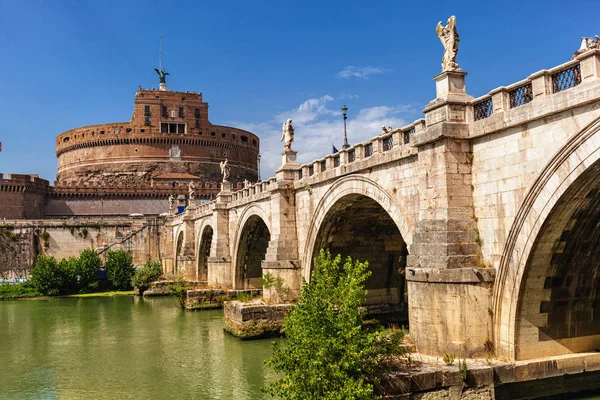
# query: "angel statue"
171,203
191,191
225,170
287,134
449,37
162,75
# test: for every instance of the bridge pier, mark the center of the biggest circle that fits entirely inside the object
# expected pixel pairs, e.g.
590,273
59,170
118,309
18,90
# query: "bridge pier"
449,291
281,259
219,263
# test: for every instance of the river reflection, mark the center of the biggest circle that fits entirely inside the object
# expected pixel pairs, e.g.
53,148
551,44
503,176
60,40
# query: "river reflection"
124,347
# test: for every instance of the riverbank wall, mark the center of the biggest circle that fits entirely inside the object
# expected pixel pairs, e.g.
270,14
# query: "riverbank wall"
549,378
21,241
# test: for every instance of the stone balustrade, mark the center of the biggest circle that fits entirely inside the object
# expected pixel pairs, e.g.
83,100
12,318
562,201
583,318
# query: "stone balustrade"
545,92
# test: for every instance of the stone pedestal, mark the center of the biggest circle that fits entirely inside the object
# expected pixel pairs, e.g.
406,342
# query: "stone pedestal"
226,186
450,83
289,166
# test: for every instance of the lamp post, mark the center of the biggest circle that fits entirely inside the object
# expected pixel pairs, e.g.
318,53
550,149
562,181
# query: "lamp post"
344,112
258,167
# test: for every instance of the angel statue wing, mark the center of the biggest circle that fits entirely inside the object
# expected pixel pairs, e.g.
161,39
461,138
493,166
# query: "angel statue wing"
283,132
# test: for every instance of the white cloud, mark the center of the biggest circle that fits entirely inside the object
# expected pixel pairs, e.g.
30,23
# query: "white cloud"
352,71
317,127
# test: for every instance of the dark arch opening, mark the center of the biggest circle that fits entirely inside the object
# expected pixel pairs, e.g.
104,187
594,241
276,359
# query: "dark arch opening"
559,302
357,226
178,252
252,249
204,253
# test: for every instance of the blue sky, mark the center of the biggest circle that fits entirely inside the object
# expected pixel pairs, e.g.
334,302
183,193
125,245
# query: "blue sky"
66,64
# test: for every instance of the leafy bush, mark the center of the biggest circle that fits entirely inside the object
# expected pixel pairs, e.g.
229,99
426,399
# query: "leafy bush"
156,267
88,264
149,273
45,276
329,354
25,289
68,275
119,269
179,288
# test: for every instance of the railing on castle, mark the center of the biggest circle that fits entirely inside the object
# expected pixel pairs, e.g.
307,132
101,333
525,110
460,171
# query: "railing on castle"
539,85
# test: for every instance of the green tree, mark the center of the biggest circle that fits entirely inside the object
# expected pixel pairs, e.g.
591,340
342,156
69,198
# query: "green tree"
179,288
88,264
119,269
329,354
46,276
68,270
150,272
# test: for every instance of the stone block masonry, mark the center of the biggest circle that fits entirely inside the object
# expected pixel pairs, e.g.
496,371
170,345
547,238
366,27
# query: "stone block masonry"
22,241
479,219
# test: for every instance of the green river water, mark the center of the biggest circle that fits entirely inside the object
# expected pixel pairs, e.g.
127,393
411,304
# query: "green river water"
124,348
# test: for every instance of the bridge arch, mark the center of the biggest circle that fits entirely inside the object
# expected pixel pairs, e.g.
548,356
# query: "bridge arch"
178,250
543,300
252,236
205,238
358,218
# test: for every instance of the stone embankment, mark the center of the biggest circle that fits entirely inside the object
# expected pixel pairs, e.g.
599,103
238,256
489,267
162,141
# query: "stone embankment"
428,378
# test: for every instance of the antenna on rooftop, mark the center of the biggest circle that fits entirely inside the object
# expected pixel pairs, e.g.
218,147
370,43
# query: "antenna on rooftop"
162,74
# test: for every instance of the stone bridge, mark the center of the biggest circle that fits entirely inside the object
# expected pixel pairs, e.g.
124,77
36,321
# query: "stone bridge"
481,219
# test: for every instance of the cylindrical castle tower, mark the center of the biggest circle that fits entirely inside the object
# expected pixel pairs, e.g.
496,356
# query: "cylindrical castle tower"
168,143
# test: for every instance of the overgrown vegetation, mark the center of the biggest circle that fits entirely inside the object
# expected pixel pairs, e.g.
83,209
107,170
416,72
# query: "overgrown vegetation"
449,358
330,353
22,290
72,275
280,293
179,288
463,369
119,269
150,272
45,236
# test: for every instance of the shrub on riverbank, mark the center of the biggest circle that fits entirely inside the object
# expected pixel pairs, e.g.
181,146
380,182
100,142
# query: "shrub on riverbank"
150,272
329,353
21,290
179,288
46,276
72,275
119,269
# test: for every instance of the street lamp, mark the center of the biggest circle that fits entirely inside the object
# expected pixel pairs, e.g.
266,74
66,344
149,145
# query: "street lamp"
258,167
344,112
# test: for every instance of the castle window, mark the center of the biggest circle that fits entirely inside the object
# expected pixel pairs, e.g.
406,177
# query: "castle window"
174,128
146,122
180,112
197,113
116,131
233,136
197,123
253,142
213,134
223,135
164,111
244,138
146,110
